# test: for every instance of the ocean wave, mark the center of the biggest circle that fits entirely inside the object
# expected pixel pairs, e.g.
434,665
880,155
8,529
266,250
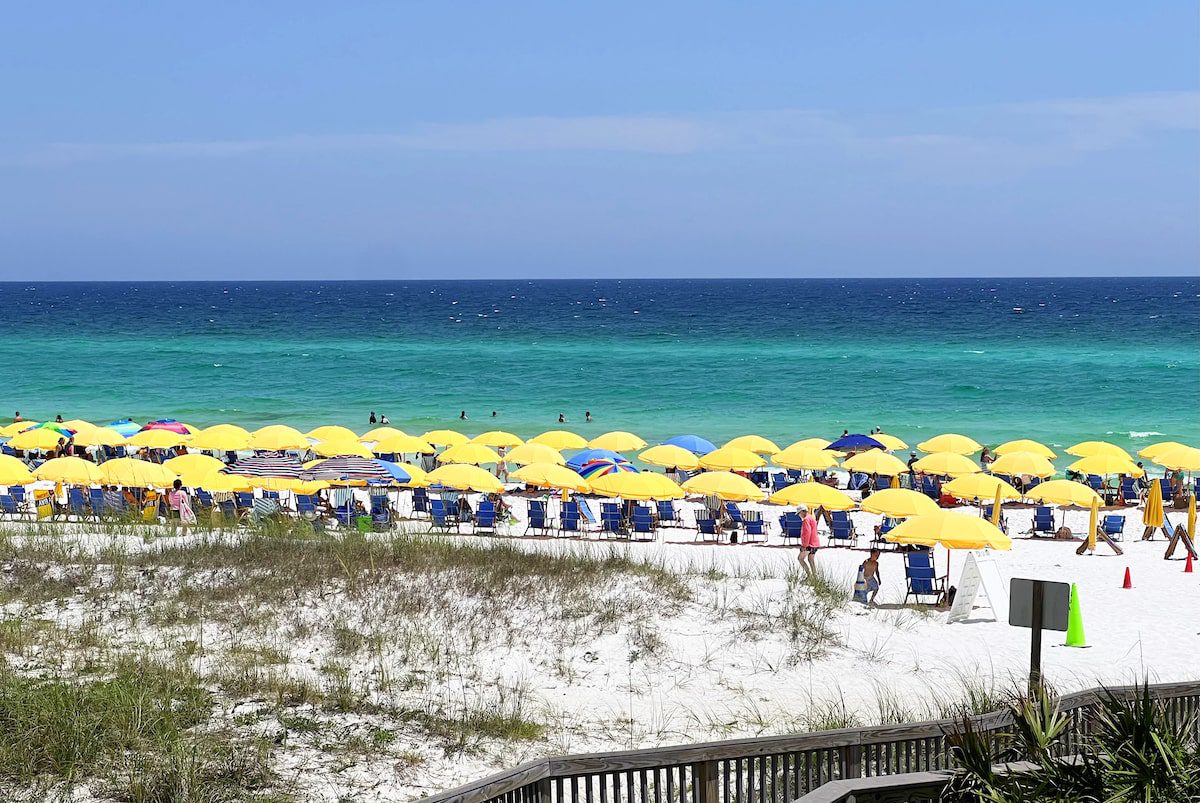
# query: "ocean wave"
973,351
1147,434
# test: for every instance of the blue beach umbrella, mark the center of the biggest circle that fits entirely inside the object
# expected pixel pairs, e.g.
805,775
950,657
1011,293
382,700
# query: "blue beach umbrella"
855,443
125,427
693,443
587,455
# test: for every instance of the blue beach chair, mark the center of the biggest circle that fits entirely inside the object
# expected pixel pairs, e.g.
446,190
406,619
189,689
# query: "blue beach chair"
755,527
439,518
643,522
1043,520
1114,527
568,521
922,578
735,513
537,516
706,525
420,502
667,512
779,482
77,502
842,530
791,524
485,518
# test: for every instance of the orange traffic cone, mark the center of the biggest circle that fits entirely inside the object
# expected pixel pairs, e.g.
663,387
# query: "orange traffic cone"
1187,567
1128,580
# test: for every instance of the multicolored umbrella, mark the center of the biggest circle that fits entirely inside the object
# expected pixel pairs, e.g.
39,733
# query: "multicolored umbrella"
169,424
598,468
350,468
578,460
266,466
125,426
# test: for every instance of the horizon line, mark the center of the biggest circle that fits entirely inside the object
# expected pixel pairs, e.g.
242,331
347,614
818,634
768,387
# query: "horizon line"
600,278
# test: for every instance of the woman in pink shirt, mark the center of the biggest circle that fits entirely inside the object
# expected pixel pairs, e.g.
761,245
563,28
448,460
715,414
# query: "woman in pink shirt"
809,541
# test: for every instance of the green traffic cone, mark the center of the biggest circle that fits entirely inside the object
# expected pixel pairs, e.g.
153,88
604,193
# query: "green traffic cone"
1075,636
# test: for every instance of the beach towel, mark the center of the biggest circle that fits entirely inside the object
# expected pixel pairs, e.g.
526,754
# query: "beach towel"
186,514
860,587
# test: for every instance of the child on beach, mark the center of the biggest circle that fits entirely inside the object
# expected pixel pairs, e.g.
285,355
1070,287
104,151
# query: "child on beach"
870,575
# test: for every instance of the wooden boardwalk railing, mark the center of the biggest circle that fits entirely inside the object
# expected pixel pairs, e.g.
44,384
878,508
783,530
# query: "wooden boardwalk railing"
774,769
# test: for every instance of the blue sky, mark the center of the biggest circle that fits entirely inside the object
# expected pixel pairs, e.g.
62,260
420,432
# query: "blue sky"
399,140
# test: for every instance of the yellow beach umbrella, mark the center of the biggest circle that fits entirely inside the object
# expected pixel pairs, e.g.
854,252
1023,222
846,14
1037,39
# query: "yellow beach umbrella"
341,447
1018,463
560,439
13,471
1191,520
899,503
529,453
1153,516
221,438
950,442
723,484
193,464
9,430
473,453
951,530
444,437
400,444
551,475
1025,445
1063,492
1093,523
1179,458
813,494
136,473
875,461
1104,464
1094,448
980,486
810,443
996,503
669,455
637,485
332,432
805,457
158,439
99,436
891,442
755,443
1153,449
380,433
277,438
947,463
465,478
78,425
731,458
617,441
497,439
41,439
70,471
216,481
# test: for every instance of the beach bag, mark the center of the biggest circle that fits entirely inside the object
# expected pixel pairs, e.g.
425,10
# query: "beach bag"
186,514
860,587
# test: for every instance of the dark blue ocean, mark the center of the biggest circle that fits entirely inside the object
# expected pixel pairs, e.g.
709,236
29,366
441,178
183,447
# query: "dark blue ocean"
1059,360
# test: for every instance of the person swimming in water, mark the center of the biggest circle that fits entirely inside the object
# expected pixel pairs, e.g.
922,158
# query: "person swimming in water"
587,416
462,416
562,419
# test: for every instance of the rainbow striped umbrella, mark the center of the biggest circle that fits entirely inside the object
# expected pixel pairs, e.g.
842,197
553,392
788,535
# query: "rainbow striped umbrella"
169,424
600,467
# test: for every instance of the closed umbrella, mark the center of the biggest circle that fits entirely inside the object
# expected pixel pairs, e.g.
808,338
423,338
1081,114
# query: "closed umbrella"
1093,523
812,494
996,502
731,458
1154,516
670,456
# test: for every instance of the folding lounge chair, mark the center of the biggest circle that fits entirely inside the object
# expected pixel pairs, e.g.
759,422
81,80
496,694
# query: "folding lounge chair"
1129,492
569,517
791,524
537,516
96,501
1114,527
610,520
858,481
883,483
643,522
987,514
779,481
420,501
1043,520
667,512
485,518
755,525
1095,482
585,511
735,513
439,519
922,579
707,525
77,503
10,508
842,530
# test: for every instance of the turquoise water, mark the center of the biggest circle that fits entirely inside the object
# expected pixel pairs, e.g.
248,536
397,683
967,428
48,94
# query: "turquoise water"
1116,359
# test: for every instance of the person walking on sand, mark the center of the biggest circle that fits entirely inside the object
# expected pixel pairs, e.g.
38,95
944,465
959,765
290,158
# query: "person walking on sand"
810,542
870,573
180,507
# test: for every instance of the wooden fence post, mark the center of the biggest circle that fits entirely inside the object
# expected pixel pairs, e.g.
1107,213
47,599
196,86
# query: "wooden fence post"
704,782
852,761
